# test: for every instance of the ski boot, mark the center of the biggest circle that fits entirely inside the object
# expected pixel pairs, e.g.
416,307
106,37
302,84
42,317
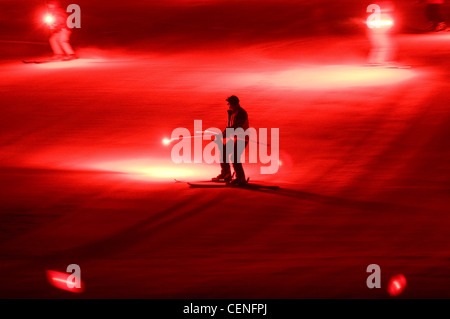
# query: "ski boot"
222,177
70,57
57,58
239,181
442,26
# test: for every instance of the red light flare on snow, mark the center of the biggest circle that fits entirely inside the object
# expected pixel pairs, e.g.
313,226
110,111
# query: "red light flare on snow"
148,169
60,280
323,77
77,63
396,285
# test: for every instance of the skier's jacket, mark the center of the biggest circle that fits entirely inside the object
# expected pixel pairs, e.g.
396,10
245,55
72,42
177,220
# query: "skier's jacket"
59,20
238,119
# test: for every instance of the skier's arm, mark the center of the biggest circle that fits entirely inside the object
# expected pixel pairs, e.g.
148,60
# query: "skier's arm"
241,121
60,20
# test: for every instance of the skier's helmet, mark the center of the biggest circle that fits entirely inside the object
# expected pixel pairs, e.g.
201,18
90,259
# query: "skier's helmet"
233,99
53,3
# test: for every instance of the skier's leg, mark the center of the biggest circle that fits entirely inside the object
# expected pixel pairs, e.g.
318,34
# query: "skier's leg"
374,57
441,25
55,45
225,169
387,49
237,164
432,16
65,36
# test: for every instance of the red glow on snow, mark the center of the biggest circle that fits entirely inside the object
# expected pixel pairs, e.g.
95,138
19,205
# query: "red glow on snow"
327,77
78,63
157,170
161,172
396,285
60,280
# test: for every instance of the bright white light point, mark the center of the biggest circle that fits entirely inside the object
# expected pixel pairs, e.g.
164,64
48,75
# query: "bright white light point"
48,19
166,141
380,24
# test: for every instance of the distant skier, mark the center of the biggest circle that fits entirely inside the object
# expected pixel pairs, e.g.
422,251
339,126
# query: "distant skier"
379,31
434,15
59,39
237,118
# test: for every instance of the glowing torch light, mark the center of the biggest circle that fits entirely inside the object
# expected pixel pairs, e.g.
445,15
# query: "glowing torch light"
167,141
63,281
378,17
396,285
380,24
48,19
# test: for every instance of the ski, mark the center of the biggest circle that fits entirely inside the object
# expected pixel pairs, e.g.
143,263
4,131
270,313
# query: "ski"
248,185
45,61
389,66
203,182
399,67
38,62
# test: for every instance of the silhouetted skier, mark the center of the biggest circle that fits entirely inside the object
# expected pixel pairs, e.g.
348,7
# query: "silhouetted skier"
435,16
382,52
59,39
237,118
